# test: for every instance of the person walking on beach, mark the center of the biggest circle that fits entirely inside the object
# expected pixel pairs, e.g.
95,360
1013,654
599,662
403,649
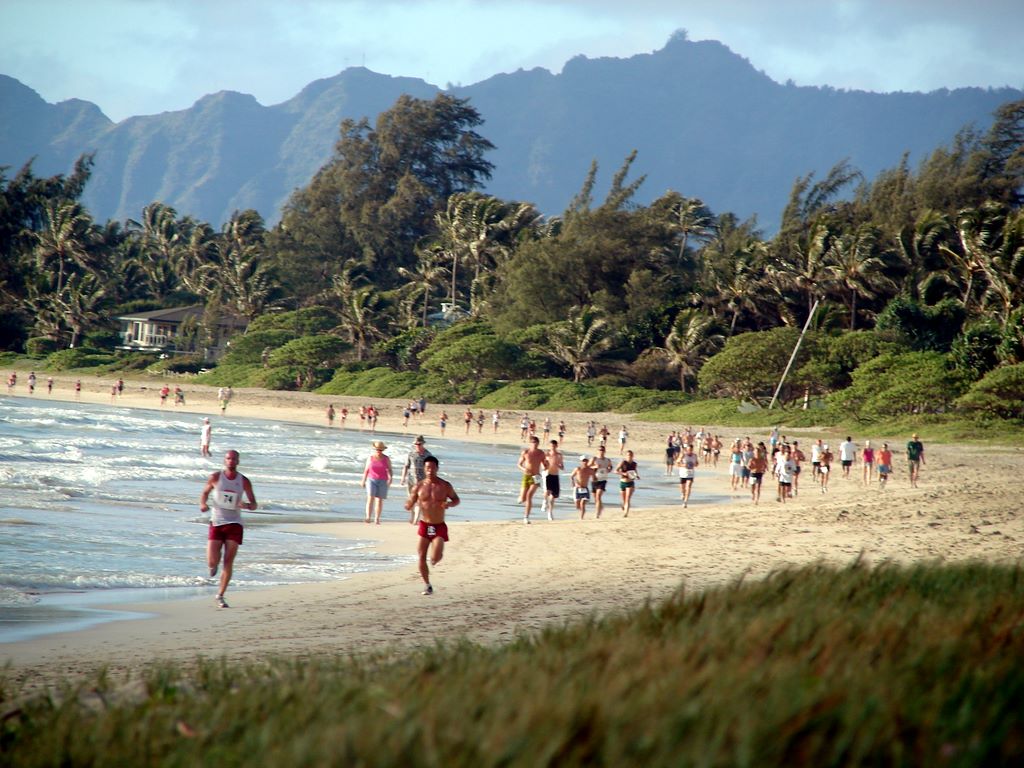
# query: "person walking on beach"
224,395
884,464
330,414
628,475
49,385
164,392
377,477
602,468
581,478
432,496
205,434
847,455
687,464
532,462
915,457
228,487
414,470
552,482
495,421
623,436
32,383
867,457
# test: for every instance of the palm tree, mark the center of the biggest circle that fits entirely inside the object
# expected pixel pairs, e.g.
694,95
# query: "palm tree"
426,277
360,316
977,232
160,238
80,303
1004,268
693,339
856,268
579,341
691,218
734,272
64,241
920,246
806,266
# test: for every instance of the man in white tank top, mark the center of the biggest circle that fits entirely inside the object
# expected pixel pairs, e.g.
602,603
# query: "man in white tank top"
225,534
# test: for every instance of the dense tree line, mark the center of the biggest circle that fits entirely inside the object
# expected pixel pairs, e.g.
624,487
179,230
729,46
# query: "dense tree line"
927,260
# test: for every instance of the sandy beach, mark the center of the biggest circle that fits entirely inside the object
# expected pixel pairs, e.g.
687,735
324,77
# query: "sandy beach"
499,579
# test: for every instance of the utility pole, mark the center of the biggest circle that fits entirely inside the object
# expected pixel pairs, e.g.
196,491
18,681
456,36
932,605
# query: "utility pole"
792,357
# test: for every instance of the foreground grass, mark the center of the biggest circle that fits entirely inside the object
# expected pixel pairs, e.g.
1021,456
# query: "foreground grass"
816,666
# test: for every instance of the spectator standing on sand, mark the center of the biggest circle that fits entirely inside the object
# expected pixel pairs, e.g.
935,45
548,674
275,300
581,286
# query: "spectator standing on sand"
225,533
847,454
444,421
468,418
49,385
377,477
479,422
532,462
330,414
432,496
581,479
412,471
344,415
495,421
32,383
205,434
552,481
915,457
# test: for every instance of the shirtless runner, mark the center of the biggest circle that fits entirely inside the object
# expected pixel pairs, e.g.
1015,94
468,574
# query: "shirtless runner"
434,496
532,462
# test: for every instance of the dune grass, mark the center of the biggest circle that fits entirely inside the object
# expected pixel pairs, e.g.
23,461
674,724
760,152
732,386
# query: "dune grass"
815,666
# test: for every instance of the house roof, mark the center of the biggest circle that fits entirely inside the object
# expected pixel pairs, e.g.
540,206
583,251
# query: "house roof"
180,314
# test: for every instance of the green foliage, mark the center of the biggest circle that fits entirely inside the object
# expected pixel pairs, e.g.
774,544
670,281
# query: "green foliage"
836,357
308,321
813,666
40,346
750,365
375,383
976,351
561,395
1011,347
900,384
466,356
1000,393
79,357
406,347
309,352
232,375
249,349
922,327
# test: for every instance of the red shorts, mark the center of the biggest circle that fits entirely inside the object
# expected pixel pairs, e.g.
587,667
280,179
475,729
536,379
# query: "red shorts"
431,531
227,532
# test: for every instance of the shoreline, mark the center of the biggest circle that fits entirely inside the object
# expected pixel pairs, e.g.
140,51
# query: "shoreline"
501,578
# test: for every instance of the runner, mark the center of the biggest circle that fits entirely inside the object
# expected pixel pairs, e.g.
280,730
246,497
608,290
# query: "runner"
826,467
847,455
225,533
532,462
552,482
798,457
915,457
785,471
432,496
687,464
735,464
623,436
581,479
413,471
758,466
602,467
884,464
628,475
204,437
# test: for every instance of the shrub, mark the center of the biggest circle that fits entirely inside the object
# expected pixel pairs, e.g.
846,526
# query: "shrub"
40,346
308,321
975,352
750,365
79,357
1000,393
376,383
922,327
249,348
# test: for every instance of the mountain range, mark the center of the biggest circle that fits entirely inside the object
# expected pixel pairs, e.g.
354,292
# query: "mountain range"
705,123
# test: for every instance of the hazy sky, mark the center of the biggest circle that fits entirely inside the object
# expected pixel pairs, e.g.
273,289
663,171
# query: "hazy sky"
135,57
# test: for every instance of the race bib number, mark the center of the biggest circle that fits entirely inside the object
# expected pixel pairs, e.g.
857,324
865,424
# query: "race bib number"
431,530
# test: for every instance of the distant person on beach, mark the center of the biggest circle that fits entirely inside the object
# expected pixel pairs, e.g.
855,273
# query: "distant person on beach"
826,467
49,385
884,464
532,462
628,475
758,466
915,457
495,420
432,496
591,433
78,388
228,487
552,481
847,455
414,470
602,468
204,437
330,414
224,395
479,422
687,464
867,457
581,478
164,392
120,387
32,383
113,393
444,422
179,396
623,436
377,477
344,415
468,418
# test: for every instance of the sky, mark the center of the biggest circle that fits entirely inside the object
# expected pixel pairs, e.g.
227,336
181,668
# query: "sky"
138,57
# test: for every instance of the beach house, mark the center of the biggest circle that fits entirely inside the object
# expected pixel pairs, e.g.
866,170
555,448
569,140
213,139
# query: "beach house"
175,330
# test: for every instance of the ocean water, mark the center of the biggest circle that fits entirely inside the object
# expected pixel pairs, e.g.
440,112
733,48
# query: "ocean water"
99,505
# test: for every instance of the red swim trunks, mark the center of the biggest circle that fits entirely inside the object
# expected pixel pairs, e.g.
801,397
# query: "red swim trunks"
227,532
431,531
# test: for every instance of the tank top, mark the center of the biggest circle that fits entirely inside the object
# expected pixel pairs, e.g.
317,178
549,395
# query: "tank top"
378,468
227,500
869,455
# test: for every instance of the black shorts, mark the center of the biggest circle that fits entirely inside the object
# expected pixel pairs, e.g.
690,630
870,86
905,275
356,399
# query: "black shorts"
552,485
598,485
847,463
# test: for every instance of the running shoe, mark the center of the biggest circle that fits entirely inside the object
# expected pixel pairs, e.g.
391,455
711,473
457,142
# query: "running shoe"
429,590
221,602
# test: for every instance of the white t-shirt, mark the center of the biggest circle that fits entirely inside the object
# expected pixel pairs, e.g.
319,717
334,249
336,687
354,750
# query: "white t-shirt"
847,451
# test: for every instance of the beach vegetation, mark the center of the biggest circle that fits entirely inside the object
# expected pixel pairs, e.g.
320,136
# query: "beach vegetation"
999,394
817,665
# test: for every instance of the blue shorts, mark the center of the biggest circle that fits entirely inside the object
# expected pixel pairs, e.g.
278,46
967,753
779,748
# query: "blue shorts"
378,489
